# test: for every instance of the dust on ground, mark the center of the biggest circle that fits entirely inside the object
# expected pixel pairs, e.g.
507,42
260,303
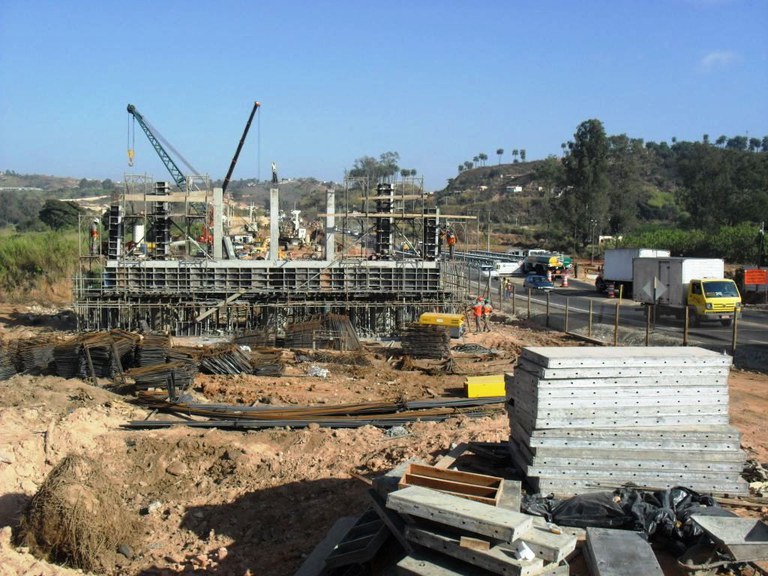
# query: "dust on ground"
223,502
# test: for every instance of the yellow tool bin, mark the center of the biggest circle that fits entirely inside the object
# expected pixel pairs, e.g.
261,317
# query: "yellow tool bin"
485,386
453,321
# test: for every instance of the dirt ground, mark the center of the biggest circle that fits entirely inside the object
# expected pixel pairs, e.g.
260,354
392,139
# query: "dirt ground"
223,502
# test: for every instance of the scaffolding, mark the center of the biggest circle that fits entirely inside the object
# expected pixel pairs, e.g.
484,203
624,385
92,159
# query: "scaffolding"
157,276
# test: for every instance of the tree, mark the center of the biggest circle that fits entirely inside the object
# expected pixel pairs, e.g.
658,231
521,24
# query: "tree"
376,170
515,152
522,154
461,167
737,143
586,171
754,144
59,215
468,165
483,157
476,160
721,140
404,173
705,139
500,153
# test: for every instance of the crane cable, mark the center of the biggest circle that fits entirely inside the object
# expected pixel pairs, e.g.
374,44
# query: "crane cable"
131,140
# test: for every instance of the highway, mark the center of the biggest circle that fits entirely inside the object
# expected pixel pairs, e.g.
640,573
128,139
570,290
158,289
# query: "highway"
751,327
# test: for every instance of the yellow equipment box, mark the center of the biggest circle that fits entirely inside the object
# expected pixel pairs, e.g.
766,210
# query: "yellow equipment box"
453,321
485,386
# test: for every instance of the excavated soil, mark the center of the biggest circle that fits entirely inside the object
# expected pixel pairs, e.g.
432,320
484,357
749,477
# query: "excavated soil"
221,502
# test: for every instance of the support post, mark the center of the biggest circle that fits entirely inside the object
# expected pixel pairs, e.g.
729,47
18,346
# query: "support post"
529,303
274,223
547,320
330,224
647,324
218,223
685,326
616,325
735,332
514,298
589,322
565,326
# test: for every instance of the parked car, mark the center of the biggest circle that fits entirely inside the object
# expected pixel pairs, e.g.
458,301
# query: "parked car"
537,282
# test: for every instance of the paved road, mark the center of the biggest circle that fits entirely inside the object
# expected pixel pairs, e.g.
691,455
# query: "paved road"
752,326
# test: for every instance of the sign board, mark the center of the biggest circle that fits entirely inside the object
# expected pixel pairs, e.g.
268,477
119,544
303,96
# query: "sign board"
756,276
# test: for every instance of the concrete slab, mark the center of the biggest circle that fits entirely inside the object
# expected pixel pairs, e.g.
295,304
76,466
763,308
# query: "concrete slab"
620,553
499,523
624,372
496,559
745,539
574,357
546,545
530,378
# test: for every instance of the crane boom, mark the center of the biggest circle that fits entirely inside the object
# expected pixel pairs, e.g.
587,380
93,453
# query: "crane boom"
239,147
176,174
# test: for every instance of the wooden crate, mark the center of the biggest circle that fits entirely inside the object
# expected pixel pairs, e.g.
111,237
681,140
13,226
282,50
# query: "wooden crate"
478,487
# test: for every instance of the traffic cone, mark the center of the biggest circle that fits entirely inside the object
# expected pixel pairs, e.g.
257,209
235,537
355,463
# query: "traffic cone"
611,290
565,280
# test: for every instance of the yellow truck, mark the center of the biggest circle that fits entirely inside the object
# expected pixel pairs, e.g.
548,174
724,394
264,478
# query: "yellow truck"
699,284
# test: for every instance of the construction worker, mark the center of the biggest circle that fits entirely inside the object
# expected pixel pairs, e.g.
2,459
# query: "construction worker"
487,311
93,231
477,312
450,239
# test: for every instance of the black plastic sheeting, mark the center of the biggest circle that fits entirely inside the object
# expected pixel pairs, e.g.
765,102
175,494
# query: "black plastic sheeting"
664,514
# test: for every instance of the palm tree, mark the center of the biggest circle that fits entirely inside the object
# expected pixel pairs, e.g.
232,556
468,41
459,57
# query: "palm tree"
461,168
522,154
515,152
483,157
468,165
476,159
499,153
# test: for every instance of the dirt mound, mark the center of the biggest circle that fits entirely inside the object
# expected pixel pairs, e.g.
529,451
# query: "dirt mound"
76,516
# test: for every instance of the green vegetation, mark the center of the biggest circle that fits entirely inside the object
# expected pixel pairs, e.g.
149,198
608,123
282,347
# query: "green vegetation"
35,261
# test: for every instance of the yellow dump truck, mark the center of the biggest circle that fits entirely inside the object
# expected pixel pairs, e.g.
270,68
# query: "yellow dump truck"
453,321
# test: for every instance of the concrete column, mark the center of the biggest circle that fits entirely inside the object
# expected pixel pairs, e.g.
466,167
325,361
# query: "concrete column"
274,224
330,224
218,223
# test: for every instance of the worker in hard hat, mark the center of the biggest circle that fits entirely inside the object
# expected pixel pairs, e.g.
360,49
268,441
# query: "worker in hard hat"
477,312
487,311
93,231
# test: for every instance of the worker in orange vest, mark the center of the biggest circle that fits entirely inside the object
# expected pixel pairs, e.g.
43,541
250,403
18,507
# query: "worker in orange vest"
450,238
487,311
477,312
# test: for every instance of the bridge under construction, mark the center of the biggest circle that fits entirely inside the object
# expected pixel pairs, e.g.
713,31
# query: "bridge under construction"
155,275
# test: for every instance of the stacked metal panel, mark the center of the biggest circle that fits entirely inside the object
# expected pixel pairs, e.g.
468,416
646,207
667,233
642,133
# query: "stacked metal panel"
585,419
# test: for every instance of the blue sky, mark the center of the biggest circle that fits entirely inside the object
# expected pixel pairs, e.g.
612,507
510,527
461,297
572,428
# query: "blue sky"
436,81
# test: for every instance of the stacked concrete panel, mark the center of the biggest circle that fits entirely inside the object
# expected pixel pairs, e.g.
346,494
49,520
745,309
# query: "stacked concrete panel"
585,419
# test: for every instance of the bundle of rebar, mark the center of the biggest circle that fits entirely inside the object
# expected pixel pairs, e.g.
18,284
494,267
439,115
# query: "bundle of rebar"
171,378
229,359
266,362
35,355
426,341
7,369
382,414
334,331
67,358
153,349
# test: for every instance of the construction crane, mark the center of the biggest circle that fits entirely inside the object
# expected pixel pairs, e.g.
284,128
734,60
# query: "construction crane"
157,141
239,147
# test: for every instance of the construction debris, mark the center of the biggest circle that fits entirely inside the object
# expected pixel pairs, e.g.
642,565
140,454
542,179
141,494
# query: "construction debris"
333,331
583,419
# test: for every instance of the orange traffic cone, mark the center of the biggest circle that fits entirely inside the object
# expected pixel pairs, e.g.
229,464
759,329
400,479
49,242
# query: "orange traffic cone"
611,290
565,280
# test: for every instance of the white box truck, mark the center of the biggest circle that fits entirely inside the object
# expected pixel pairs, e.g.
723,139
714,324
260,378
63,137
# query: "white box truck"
617,268
674,284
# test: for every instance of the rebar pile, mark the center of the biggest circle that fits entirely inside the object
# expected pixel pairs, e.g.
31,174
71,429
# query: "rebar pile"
334,331
228,359
153,349
7,369
96,353
67,358
425,341
172,377
266,362
35,355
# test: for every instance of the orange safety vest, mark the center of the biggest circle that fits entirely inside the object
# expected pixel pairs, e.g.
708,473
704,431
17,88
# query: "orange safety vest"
451,239
488,309
477,309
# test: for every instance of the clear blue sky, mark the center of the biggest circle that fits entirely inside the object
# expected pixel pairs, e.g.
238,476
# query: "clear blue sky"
436,81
